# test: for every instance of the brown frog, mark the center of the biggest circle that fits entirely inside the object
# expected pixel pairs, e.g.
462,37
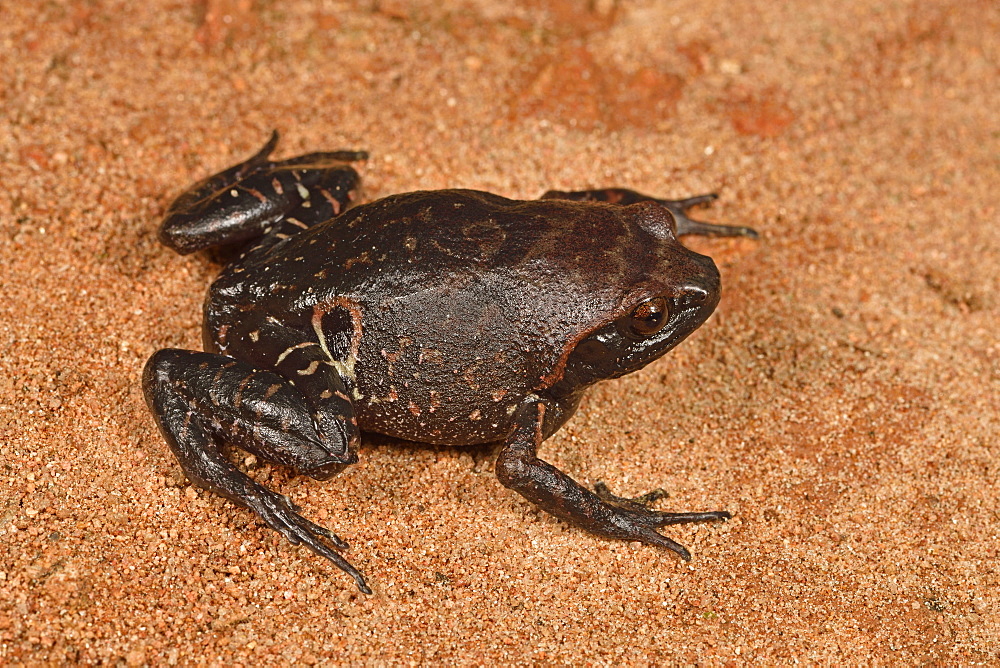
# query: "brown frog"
450,317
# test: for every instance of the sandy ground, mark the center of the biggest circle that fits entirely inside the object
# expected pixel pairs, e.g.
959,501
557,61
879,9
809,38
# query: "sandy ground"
842,402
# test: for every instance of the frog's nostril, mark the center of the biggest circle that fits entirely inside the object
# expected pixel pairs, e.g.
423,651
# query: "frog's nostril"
694,294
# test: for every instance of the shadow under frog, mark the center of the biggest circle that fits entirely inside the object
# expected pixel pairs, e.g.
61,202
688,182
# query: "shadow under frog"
451,317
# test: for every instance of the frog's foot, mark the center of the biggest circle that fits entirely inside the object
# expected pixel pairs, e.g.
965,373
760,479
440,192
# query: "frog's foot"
281,515
638,508
601,513
678,207
209,186
642,502
202,402
260,196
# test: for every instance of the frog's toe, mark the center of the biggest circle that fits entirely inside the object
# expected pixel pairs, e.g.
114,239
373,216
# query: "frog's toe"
337,541
637,502
690,202
685,225
651,537
660,518
277,511
293,509
642,523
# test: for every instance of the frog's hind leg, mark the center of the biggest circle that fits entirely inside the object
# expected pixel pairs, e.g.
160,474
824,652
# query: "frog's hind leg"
519,468
248,200
678,207
203,402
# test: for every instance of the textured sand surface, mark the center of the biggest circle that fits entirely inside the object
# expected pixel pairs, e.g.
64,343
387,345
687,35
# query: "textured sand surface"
842,402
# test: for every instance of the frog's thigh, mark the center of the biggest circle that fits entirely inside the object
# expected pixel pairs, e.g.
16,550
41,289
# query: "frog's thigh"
203,401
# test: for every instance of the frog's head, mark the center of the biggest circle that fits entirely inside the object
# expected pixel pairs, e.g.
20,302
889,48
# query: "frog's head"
676,290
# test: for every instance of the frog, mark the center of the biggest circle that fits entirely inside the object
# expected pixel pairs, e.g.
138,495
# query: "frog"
447,317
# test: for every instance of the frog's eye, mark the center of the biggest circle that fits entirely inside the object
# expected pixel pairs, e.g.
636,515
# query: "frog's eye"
649,317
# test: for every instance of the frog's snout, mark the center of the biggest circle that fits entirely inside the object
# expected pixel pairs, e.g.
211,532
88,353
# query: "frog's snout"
701,282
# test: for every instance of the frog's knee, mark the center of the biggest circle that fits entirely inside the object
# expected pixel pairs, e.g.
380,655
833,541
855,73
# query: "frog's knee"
165,360
515,470
160,372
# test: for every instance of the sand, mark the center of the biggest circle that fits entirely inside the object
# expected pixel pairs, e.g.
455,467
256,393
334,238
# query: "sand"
842,402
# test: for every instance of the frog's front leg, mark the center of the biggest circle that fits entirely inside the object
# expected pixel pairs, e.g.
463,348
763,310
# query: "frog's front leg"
246,201
678,207
203,402
519,468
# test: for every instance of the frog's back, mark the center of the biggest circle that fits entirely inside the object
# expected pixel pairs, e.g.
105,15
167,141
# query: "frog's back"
406,243
468,301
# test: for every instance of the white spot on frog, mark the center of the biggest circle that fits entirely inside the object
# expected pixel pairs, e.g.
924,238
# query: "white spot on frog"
309,370
288,351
